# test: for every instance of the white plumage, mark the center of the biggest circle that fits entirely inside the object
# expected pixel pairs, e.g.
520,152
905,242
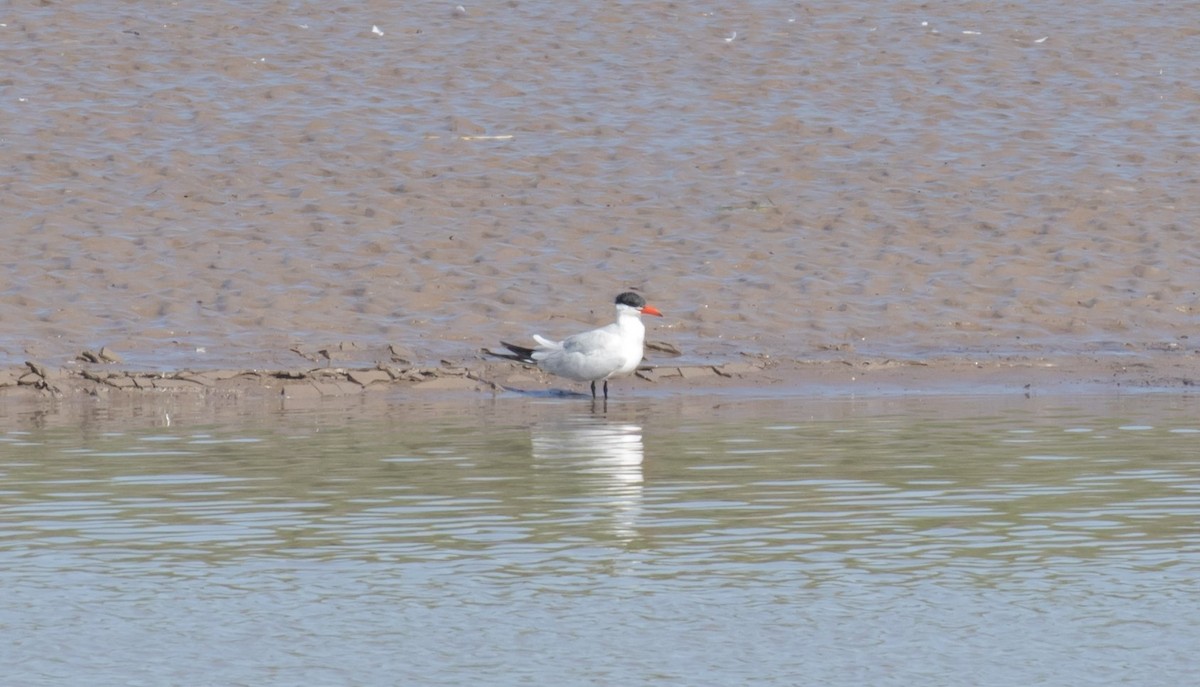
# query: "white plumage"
610,351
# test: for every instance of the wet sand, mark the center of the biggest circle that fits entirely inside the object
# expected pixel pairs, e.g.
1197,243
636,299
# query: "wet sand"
34,393
246,200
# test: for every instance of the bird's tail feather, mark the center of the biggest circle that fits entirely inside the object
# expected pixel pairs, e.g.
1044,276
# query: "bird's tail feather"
518,353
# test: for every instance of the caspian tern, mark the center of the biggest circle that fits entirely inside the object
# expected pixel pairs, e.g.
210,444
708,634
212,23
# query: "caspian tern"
609,351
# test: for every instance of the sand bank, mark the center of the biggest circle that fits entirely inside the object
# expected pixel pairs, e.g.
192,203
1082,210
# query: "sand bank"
750,375
839,198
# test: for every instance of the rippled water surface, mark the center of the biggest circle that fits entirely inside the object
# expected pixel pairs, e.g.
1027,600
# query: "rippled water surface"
518,541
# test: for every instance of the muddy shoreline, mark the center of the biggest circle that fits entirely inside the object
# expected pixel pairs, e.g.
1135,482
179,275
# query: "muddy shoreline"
198,196
844,375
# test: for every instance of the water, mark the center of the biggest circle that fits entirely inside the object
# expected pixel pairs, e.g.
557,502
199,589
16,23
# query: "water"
886,541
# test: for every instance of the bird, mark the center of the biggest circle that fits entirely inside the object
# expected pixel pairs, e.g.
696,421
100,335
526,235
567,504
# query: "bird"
592,356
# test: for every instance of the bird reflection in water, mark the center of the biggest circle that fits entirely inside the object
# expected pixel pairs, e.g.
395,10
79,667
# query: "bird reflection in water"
608,456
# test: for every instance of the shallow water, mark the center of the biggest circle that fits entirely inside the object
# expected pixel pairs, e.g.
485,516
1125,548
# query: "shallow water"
211,184
935,541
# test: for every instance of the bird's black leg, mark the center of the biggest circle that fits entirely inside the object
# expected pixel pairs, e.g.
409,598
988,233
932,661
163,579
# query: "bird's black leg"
594,390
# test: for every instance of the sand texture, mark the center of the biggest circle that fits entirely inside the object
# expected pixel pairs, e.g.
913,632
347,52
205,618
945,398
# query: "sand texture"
347,196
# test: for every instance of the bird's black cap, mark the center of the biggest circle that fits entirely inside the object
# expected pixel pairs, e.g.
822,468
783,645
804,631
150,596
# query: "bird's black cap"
631,299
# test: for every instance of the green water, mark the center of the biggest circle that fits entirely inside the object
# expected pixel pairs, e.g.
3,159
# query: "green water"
952,541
